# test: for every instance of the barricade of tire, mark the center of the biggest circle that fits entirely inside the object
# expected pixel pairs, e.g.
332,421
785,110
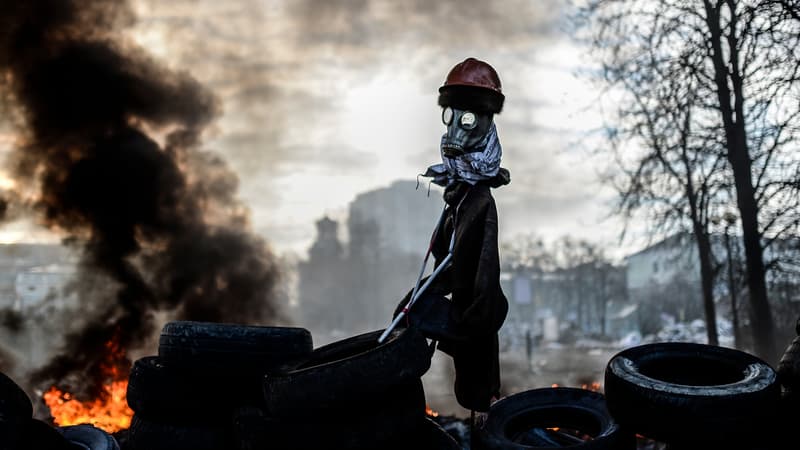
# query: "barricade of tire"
693,395
184,398
351,394
20,431
434,437
552,418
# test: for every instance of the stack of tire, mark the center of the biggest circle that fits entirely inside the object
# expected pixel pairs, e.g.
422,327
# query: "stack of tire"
185,398
695,396
20,431
351,394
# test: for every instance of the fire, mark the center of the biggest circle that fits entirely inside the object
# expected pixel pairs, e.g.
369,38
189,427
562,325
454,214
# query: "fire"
593,386
109,411
430,411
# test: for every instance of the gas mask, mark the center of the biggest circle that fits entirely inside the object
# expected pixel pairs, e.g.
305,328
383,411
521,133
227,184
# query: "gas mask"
466,131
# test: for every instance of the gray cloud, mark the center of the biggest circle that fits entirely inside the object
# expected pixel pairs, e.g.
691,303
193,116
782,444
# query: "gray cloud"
281,70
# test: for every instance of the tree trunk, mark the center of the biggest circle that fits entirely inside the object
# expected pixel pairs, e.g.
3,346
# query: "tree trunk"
707,281
737,340
761,315
741,164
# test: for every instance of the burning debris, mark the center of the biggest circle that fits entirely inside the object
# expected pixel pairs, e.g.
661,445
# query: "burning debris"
107,153
108,409
110,412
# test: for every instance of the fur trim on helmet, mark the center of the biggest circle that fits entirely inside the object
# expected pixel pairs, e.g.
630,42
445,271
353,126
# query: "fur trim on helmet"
471,98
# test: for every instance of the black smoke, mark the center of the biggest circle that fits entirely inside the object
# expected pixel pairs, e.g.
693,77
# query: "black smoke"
110,140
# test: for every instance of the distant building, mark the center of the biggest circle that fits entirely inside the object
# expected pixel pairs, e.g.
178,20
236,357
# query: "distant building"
661,262
353,286
665,278
404,215
322,300
562,304
28,272
34,281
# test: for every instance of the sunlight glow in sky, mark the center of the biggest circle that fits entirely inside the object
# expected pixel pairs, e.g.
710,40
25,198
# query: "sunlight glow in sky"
325,100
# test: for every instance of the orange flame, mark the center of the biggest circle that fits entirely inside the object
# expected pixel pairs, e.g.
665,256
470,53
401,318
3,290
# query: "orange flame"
431,412
109,411
593,386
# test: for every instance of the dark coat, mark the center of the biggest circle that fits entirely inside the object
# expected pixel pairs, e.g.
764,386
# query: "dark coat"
478,306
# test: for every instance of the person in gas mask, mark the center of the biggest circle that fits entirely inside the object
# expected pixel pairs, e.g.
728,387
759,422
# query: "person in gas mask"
470,167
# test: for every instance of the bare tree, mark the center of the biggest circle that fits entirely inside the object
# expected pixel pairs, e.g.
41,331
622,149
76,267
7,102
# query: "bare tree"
584,277
733,64
582,265
676,177
527,251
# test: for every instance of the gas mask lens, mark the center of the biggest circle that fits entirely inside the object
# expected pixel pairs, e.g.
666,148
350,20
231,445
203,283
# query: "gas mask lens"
468,121
447,115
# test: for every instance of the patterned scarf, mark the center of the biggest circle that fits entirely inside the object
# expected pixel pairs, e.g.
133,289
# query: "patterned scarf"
469,167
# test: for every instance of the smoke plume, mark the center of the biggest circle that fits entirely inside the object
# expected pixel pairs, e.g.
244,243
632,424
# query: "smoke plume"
110,141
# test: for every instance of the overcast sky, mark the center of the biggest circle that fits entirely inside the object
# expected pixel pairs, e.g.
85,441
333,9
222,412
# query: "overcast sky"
323,100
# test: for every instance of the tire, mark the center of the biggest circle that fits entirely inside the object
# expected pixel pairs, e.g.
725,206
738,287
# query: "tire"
15,412
146,434
228,347
14,402
89,437
38,435
348,371
521,421
436,438
360,433
386,424
160,392
691,393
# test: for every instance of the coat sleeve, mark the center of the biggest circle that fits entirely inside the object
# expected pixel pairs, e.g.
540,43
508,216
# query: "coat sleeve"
488,309
438,287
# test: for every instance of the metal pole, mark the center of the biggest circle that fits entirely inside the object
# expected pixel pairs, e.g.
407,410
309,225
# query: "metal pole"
396,321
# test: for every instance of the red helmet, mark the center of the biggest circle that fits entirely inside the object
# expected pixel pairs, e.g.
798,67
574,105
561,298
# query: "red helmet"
472,85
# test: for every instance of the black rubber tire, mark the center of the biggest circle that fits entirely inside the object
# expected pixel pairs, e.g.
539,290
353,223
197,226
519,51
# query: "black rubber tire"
145,434
348,371
14,402
229,347
509,419
159,391
434,437
90,437
38,435
15,412
680,392
388,422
